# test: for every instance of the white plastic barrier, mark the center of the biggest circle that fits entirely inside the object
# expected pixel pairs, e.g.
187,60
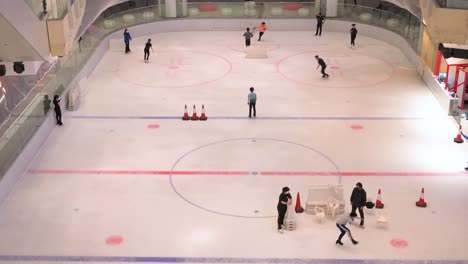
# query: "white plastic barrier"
109,23
193,11
303,12
226,11
128,18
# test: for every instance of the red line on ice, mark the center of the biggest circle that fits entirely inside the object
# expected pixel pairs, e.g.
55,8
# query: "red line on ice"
262,173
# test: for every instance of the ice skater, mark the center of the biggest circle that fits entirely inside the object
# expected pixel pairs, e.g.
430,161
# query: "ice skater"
341,224
248,35
320,21
284,200
252,102
261,30
58,110
148,46
358,201
127,39
321,63
353,31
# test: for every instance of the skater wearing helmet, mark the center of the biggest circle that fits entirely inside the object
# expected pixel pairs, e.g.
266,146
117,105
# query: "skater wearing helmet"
341,224
358,201
282,207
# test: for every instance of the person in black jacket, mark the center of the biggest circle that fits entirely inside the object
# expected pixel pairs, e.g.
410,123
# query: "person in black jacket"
358,201
320,21
321,63
58,110
282,207
353,31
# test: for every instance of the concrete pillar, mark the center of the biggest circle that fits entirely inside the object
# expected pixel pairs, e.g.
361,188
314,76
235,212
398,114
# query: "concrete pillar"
329,8
173,8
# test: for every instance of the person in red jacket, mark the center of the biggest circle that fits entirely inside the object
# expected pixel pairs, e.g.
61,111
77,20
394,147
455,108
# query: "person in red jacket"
261,30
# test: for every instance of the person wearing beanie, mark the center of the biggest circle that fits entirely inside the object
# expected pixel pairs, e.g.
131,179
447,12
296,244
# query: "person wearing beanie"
282,207
341,224
358,201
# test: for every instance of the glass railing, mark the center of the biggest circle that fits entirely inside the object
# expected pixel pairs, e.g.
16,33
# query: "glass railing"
456,4
28,121
37,6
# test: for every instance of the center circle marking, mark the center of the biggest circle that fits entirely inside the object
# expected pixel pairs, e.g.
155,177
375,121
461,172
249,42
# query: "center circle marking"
240,156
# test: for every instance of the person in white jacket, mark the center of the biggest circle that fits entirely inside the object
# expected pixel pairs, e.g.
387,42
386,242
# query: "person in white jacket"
341,224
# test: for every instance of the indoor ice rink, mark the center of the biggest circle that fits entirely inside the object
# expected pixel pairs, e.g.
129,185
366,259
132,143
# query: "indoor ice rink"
126,180
125,165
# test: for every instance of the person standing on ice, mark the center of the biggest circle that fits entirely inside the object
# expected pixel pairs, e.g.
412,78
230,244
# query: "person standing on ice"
57,109
252,102
358,201
248,35
341,224
282,207
148,46
320,22
127,39
353,31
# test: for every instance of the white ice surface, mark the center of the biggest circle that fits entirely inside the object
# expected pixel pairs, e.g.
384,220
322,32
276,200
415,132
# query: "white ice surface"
72,213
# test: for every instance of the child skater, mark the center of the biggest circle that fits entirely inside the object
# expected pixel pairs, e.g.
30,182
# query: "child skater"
341,224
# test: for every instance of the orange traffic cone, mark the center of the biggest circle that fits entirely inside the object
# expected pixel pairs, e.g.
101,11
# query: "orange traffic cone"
421,202
203,116
378,203
194,115
459,138
299,208
186,116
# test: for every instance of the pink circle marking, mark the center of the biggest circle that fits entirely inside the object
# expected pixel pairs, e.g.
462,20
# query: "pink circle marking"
153,126
357,127
335,67
114,240
173,67
399,243
223,59
285,75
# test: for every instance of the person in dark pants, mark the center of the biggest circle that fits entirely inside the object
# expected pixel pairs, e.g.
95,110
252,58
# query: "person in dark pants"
353,31
358,201
282,207
261,30
248,35
127,39
321,63
252,102
320,21
341,224
148,46
58,110
46,104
